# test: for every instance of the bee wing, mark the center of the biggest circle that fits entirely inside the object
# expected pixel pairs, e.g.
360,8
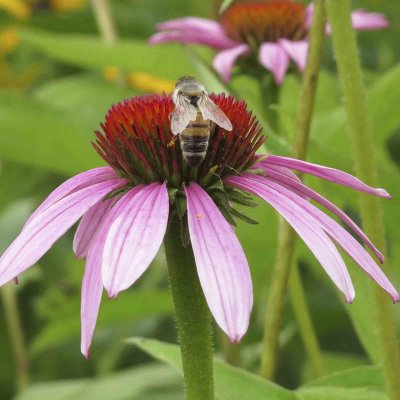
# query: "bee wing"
183,113
212,112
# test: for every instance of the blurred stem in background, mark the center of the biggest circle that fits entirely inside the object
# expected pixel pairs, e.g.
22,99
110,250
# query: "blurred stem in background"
270,99
9,297
350,75
192,316
286,236
105,22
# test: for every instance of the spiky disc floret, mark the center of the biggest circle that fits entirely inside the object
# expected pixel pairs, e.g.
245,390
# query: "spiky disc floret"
136,140
265,21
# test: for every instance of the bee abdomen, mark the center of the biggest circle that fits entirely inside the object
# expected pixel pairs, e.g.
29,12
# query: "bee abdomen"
194,148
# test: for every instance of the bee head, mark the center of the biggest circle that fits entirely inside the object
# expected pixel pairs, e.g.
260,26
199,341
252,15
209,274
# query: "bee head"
188,87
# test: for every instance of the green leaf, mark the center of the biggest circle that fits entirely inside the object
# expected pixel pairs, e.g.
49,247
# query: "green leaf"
127,308
359,377
41,136
335,393
230,383
129,55
84,98
129,384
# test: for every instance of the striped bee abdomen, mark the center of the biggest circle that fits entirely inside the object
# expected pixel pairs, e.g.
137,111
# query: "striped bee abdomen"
194,141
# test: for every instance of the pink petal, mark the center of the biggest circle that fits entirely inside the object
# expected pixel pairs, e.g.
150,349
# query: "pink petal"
137,229
296,50
92,289
48,225
309,15
274,59
225,59
339,234
74,184
89,225
329,174
366,21
306,227
190,24
221,264
299,188
191,38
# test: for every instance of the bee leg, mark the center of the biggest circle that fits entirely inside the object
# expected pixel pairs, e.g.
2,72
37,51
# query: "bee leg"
172,142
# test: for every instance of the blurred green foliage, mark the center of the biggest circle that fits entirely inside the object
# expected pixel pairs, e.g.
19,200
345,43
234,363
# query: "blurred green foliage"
54,94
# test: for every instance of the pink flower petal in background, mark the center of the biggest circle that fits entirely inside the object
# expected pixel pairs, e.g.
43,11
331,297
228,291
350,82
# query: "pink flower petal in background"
221,264
136,232
329,174
89,225
80,181
315,238
44,230
274,58
339,234
190,24
225,59
367,21
296,50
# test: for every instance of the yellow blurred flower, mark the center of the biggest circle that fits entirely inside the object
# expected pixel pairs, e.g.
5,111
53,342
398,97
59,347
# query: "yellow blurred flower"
8,41
17,8
139,80
63,6
149,83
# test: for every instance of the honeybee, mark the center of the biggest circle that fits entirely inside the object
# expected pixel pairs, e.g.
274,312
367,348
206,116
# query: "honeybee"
192,117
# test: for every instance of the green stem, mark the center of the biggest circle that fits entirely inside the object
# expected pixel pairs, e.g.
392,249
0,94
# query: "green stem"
105,22
286,235
304,322
16,336
192,317
350,74
270,99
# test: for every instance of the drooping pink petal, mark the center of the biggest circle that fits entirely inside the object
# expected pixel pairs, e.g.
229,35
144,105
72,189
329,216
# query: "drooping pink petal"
296,50
329,174
92,289
366,21
137,229
190,24
274,58
306,227
221,264
48,225
225,59
299,188
287,177
80,181
89,225
339,234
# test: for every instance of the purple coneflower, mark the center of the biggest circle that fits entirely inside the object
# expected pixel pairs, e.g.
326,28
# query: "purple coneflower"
275,30
125,209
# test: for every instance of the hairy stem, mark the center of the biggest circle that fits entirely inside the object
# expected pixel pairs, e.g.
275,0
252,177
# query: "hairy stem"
192,317
16,336
350,74
286,236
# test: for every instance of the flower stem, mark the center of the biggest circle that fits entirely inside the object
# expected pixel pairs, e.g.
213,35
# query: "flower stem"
192,317
16,336
286,236
345,46
270,99
105,22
